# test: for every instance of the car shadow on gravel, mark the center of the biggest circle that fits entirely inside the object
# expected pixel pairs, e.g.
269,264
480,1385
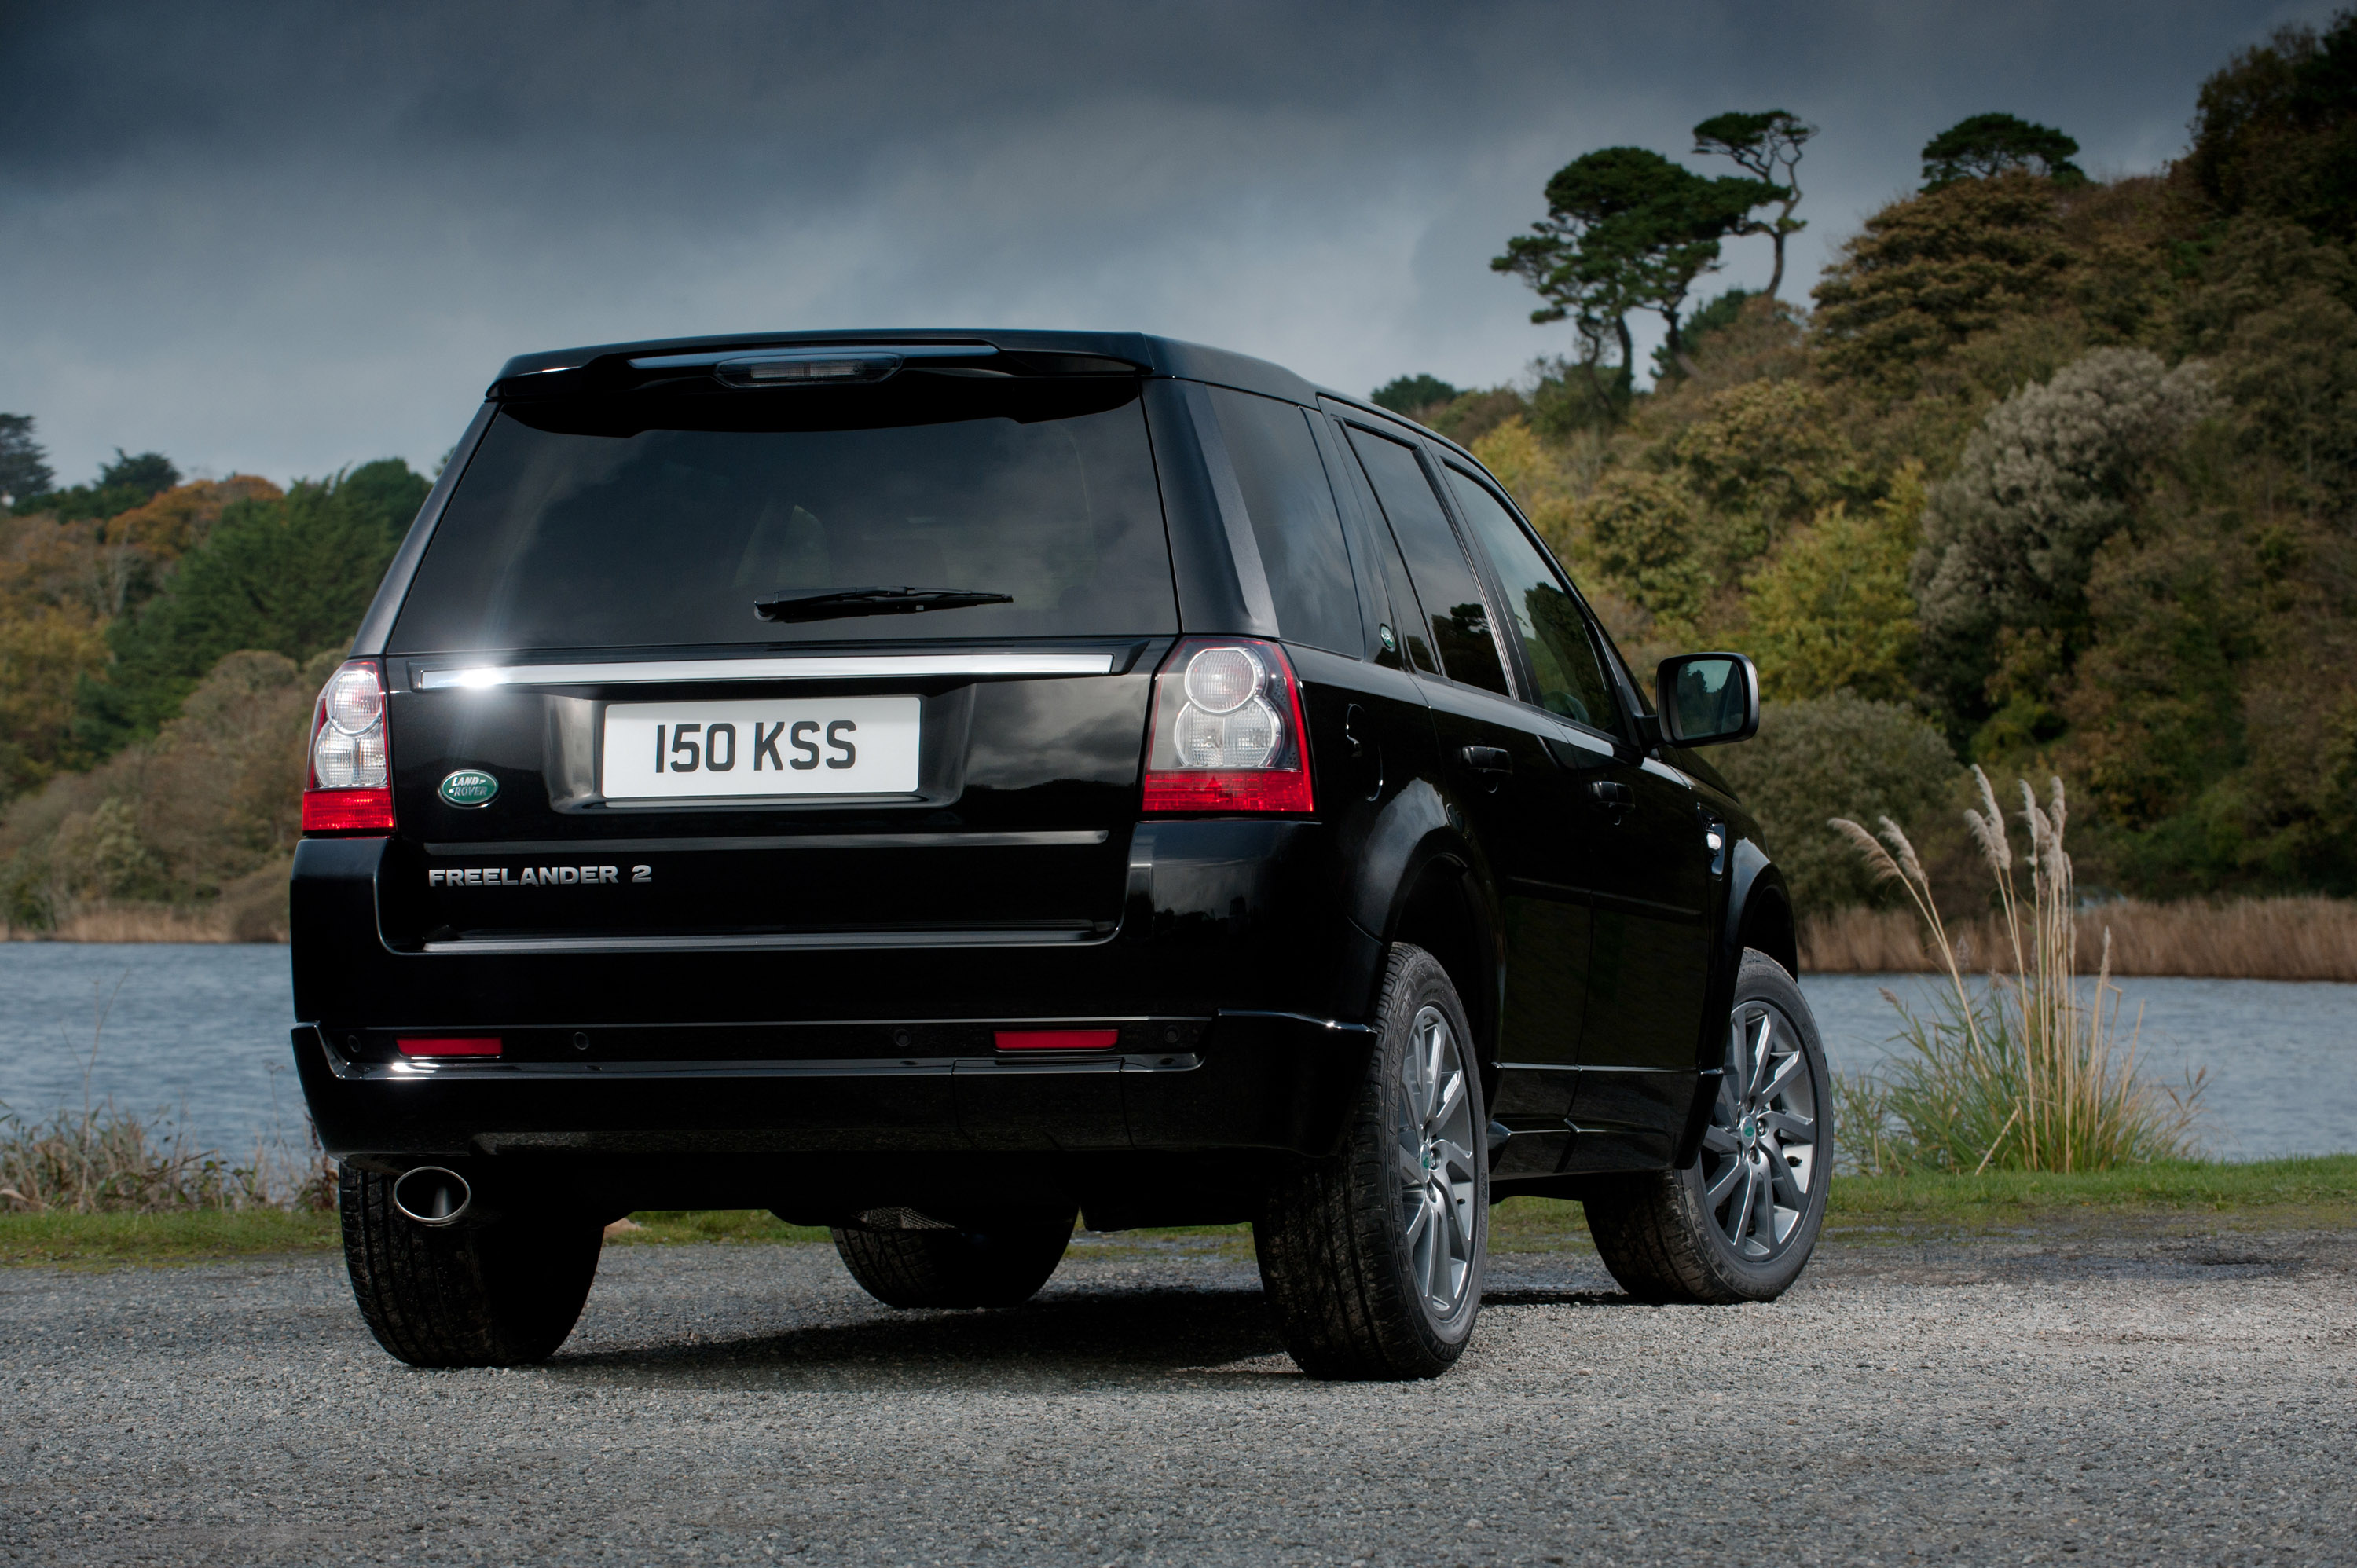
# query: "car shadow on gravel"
1071,1337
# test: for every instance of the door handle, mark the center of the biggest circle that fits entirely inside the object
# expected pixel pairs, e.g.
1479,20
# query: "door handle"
1488,759
1612,795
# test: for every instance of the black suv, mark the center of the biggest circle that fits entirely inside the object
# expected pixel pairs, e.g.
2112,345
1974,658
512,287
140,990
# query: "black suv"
937,785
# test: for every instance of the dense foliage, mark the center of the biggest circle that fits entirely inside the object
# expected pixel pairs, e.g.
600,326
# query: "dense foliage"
160,644
2057,476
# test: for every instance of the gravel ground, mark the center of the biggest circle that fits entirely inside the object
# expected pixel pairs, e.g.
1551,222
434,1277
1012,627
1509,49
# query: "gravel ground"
2138,1395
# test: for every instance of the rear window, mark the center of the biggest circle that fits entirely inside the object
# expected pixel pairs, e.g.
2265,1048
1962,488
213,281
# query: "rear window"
656,520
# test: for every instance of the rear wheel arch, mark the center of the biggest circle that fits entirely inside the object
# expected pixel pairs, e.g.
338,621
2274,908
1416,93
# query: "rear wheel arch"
1441,908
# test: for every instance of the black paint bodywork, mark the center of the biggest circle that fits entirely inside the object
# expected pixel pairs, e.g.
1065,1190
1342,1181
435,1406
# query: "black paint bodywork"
795,1009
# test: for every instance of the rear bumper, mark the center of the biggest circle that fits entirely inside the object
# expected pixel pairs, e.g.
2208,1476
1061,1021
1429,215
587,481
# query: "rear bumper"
715,1068
1249,1081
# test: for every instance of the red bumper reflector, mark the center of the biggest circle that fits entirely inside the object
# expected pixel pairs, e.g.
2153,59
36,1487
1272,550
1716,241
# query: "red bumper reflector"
444,1046
346,810
1057,1039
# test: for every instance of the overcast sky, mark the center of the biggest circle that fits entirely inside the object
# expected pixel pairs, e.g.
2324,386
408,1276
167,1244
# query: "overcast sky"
281,239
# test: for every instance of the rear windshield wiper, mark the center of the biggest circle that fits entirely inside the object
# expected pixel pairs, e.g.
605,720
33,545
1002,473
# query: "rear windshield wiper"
845,602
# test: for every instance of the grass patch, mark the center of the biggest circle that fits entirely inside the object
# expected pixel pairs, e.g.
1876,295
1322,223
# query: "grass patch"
709,1227
189,1235
2296,1193
2327,1182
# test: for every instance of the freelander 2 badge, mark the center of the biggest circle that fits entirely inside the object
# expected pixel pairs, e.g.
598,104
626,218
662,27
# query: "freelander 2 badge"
468,787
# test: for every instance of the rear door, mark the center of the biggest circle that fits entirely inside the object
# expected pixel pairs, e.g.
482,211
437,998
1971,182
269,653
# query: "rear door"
623,714
1495,748
1625,839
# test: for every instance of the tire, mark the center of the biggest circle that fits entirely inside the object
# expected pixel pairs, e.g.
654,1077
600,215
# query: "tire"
943,1266
1374,1258
1740,1222
503,1293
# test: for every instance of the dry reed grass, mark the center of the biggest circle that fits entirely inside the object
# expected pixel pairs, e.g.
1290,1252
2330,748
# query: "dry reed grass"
2249,938
130,923
2031,1071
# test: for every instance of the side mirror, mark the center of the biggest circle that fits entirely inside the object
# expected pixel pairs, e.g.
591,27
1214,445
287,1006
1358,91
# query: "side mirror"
1707,699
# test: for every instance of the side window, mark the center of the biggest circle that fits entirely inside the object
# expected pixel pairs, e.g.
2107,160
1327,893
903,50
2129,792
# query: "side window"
1571,681
1444,577
1292,518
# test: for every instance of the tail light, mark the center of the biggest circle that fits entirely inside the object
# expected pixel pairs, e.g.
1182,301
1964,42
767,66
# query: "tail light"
350,786
1227,732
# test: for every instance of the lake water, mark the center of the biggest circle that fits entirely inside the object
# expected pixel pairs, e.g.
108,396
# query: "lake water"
202,1032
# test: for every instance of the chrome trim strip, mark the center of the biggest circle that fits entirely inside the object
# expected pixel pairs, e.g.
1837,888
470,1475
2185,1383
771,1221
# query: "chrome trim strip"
780,941
1044,838
1051,1063
821,667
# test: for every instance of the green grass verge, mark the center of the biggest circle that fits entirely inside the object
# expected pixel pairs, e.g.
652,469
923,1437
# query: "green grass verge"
676,1227
2325,1183
189,1235
2321,1192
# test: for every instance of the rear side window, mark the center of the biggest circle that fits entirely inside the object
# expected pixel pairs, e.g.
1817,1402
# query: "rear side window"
1444,577
1294,519
662,519
1555,634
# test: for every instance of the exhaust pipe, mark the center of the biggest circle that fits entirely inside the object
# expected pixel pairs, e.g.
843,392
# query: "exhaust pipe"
431,1196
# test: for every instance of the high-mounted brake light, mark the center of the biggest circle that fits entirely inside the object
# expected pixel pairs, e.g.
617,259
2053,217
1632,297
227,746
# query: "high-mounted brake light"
1227,734
804,367
348,788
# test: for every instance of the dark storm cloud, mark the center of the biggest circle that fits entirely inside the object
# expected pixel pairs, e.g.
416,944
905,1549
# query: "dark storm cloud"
288,238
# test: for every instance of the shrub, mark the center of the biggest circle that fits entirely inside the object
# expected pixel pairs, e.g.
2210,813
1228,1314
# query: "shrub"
1841,755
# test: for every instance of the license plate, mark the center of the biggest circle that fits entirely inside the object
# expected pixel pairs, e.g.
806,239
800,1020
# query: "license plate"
825,745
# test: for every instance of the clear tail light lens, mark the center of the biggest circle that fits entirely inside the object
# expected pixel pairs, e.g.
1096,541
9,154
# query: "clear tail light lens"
1227,732
350,786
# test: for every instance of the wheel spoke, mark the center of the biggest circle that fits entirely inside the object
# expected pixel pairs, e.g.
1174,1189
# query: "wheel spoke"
1719,1140
1786,1071
1411,1168
1787,1182
1450,1098
1422,1222
1721,1184
1738,1212
1456,1157
1797,1128
1761,1048
1764,1209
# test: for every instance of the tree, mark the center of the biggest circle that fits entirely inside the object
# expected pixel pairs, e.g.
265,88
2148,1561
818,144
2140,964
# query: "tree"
1929,272
24,466
291,576
130,480
1626,229
1830,612
2009,539
1405,394
1766,146
2276,130
1986,145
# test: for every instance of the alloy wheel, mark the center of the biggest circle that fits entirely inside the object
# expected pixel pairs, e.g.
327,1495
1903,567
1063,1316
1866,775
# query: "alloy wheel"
1760,1161
1438,1181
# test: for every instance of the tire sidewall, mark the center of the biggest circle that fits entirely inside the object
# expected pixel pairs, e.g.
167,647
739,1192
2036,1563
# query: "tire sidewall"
1422,984
1762,979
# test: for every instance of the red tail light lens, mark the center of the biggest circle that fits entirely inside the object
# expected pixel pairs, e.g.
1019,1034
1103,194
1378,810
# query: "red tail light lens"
349,787
1227,734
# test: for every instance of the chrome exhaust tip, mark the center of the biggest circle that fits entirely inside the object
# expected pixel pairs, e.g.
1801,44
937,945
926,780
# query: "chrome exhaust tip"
431,1196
